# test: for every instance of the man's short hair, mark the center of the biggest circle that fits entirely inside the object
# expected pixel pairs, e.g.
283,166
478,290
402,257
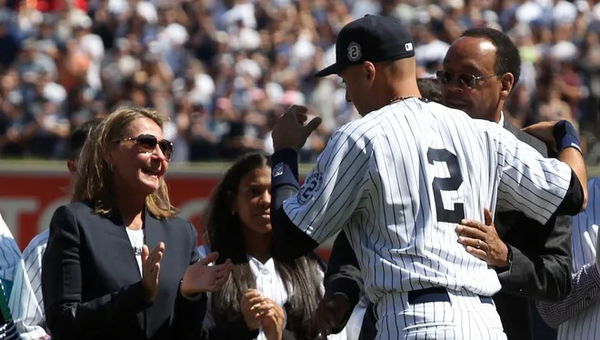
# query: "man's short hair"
508,58
79,136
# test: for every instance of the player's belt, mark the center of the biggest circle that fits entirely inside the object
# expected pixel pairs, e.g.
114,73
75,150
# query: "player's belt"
436,294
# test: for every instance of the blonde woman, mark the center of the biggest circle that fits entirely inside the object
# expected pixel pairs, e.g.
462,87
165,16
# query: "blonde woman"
118,264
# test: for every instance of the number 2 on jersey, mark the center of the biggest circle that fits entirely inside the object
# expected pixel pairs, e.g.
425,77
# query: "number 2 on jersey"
446,184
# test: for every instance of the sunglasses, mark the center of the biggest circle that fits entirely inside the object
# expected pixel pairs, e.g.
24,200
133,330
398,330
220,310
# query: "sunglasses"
464,79
148,144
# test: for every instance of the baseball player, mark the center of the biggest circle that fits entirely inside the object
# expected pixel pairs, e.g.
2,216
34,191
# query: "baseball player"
578,316
21,299
399,179
344,303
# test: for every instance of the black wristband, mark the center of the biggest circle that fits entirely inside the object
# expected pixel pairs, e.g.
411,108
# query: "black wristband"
284,166
566,136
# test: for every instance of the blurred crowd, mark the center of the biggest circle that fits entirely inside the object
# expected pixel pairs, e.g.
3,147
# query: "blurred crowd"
220,70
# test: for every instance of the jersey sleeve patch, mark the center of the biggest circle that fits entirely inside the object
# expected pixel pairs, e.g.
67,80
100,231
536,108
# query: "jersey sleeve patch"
278,170
311,186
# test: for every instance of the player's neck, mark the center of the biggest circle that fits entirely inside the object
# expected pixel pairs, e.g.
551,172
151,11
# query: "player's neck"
393,88
403,91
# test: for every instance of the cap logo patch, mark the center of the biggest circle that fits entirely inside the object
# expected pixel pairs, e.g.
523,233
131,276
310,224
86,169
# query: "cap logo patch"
408,47
354,51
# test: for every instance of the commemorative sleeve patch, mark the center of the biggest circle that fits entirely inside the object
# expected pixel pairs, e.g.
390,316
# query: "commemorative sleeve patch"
277,170
311,186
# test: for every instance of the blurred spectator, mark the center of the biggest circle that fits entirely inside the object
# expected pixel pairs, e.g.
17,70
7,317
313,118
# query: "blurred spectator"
201,139
240,60
430,50
9,45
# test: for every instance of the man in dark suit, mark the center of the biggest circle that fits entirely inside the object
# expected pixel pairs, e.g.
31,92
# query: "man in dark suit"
479,72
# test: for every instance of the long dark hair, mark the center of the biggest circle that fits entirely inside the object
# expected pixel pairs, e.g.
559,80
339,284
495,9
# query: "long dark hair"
301,276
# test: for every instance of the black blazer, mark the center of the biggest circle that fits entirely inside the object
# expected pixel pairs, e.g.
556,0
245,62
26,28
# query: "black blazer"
92,285
541,262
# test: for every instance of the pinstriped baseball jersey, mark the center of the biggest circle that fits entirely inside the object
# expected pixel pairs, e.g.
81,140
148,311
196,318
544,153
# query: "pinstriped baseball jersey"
22,303
584,226
32,256
399,180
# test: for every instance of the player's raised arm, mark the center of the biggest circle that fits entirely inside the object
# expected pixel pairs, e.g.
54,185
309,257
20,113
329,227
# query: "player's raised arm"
289,134
561,135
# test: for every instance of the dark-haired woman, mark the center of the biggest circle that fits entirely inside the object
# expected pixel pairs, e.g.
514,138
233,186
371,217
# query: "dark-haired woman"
265,297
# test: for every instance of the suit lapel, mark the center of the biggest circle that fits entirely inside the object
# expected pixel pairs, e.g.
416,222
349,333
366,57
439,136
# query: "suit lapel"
122,249
153,234
153,231
124,254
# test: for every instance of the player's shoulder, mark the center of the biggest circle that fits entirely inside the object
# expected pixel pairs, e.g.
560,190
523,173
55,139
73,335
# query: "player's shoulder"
356,126
39,240
437,114
355,134
373,122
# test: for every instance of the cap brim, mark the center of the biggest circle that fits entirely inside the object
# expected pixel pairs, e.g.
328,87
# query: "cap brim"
331,69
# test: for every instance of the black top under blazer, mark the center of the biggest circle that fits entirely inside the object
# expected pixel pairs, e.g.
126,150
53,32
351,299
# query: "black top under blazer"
92,285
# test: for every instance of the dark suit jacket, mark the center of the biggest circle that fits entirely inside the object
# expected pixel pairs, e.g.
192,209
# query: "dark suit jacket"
92,285
541,261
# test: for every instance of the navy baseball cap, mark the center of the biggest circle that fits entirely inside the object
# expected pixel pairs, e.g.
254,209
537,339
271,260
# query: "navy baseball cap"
371,38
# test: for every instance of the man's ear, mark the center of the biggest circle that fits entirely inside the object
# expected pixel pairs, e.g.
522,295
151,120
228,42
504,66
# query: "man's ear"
507,81
369,70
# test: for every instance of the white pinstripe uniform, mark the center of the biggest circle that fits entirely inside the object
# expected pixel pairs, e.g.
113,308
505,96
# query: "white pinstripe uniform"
398,180
578,315
22,302
32,257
